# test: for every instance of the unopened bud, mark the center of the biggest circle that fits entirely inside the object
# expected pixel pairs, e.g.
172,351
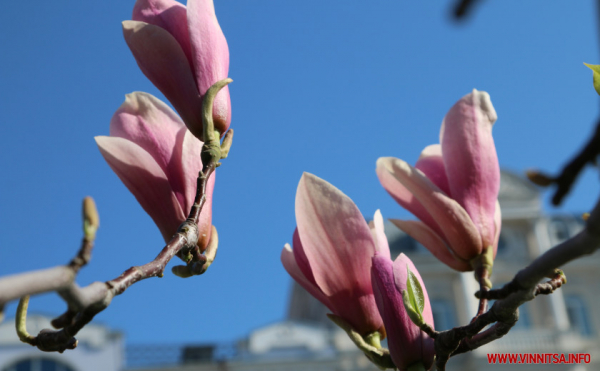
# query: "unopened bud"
558,273
596,73
91,220
181,271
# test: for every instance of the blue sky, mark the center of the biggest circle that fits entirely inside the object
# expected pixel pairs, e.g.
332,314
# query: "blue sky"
320,86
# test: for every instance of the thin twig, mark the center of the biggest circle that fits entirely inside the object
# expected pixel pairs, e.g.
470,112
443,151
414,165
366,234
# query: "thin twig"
462,8
565,180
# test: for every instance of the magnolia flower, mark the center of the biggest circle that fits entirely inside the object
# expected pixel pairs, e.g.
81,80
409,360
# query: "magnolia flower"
158,160
183,52
331,259
406,342
453,188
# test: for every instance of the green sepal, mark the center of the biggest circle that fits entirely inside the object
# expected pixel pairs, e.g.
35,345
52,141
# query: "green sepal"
413,298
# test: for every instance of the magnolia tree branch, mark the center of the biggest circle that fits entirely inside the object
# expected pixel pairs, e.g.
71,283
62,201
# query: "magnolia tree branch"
462,8
565,180
569,173
84,303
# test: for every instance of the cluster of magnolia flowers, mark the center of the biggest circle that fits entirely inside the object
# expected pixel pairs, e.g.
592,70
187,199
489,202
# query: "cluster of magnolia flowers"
154,151
336,256
345,263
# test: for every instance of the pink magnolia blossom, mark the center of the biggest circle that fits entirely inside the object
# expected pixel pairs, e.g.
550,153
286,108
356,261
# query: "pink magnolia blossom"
406,342
183,52
453,188
333,246
158,160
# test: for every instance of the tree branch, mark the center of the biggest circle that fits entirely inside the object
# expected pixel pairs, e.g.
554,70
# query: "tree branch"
462,8
524,287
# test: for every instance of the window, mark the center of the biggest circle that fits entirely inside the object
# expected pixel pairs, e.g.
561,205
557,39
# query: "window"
502,243
578,316
559,230
38,364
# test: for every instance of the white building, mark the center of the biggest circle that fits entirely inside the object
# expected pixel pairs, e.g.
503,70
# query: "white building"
98,349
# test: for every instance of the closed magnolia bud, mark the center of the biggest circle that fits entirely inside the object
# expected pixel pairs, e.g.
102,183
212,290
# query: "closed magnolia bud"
453,188
91,220
183,52
158,159
407,343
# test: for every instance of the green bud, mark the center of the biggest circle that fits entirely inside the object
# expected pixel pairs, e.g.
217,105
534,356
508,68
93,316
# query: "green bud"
91,220
596,69
415,316
181,271
413,298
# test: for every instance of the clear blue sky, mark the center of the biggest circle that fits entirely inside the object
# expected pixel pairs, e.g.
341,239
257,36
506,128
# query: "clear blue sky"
320,86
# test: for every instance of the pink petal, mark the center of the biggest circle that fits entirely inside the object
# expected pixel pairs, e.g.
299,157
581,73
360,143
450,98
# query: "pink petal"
289,263
302,260
162,60
334,234
140,173
453,221
434,243
471,161
431,164
168,14
403,196
378,233
151,124
386,296
338,246
187,154
400,278
210,55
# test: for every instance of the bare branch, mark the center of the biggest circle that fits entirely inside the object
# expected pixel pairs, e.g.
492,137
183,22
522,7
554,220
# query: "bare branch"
16,286
462,8
565,180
